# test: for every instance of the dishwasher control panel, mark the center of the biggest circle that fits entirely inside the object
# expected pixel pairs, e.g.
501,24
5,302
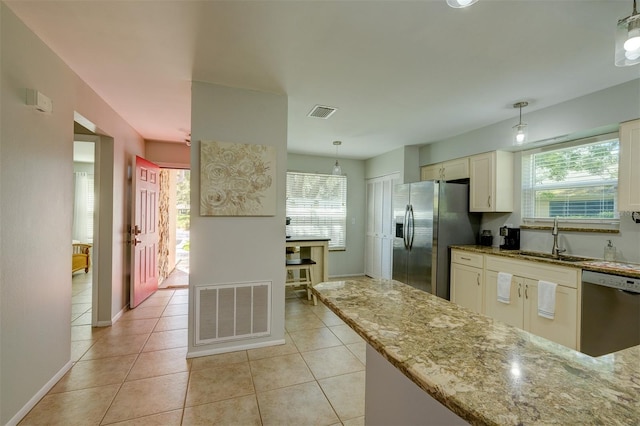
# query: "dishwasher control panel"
613,281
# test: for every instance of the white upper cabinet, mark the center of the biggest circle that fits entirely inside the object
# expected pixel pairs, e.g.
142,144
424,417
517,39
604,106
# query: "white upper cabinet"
491,182
449,170
629,171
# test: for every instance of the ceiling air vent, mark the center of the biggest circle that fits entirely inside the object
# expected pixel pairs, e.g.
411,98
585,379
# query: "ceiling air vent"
322,111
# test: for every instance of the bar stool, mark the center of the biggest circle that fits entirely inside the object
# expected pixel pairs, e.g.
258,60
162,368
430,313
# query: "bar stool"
301,265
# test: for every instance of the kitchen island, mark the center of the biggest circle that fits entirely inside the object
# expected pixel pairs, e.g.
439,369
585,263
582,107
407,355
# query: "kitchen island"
483,371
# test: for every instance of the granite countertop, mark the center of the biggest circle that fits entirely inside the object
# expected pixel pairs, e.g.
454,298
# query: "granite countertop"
587,263
483,370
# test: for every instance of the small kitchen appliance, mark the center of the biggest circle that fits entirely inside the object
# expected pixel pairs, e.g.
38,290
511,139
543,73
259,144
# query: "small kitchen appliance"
287,223
511,238
486,239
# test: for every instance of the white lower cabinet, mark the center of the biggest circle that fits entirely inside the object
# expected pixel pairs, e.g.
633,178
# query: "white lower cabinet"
563,328
522,311
512,313
467,280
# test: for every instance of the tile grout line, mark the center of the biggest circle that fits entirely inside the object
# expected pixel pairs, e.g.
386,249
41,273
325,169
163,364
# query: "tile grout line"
124,380
131,367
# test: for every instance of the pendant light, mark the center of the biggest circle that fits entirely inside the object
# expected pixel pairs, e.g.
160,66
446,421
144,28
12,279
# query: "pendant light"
458,4
628,39
520,132
337,170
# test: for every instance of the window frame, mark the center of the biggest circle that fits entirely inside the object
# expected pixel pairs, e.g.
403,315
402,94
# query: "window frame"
310,227
528,191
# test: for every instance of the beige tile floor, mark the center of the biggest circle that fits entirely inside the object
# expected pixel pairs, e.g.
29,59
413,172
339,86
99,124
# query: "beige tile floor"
136,372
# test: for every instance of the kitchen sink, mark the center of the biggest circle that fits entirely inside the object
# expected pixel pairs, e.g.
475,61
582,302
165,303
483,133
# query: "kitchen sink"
561,257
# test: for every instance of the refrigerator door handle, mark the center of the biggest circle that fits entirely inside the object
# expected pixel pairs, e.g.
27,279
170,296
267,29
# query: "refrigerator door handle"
411,219
405,228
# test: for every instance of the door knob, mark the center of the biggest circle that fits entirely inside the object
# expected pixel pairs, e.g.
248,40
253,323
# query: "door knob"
135,241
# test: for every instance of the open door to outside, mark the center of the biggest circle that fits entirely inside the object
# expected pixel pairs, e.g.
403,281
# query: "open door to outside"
144,231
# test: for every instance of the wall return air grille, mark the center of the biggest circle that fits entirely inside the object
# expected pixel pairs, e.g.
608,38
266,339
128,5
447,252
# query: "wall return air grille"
322,111
232,311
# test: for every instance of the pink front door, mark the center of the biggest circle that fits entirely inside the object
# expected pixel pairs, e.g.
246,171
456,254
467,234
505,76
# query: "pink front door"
144,231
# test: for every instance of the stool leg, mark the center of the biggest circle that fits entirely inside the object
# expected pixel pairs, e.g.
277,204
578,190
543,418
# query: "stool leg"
307,272
309,285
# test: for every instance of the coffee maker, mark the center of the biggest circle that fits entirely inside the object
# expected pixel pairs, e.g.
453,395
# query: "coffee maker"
511,238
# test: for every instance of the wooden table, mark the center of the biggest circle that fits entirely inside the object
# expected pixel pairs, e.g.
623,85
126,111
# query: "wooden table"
316,248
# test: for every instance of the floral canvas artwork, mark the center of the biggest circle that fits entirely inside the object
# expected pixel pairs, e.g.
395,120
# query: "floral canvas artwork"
237,179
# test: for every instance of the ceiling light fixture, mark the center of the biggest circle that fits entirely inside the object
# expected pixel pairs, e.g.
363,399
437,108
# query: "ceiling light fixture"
520,130
458,4
337,170
628,39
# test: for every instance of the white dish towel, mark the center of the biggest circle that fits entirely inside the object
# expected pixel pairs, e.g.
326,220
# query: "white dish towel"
504,287
547,299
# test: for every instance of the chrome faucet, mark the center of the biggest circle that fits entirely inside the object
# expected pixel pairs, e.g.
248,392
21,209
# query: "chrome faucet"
555,251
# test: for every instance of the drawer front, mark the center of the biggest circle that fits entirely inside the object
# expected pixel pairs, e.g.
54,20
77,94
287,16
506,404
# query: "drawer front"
560,275
467,258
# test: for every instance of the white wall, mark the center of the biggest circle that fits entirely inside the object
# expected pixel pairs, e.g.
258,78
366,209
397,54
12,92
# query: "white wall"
36,202
238,249
168,154
585,116
351,260
403,160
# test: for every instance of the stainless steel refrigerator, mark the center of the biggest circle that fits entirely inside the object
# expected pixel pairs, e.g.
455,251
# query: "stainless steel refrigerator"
429,217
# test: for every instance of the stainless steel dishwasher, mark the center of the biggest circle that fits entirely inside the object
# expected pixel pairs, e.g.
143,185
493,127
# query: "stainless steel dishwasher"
610,313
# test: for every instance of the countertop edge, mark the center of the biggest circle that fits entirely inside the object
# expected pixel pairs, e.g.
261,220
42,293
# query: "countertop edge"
448,401
589,264
618,372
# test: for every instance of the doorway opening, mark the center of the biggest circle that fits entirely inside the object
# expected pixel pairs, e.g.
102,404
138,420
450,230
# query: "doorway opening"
82,237
175,207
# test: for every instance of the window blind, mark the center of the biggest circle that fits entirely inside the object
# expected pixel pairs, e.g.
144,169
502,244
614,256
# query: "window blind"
577,182
317,206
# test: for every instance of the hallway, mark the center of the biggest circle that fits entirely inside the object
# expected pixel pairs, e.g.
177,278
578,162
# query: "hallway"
135,372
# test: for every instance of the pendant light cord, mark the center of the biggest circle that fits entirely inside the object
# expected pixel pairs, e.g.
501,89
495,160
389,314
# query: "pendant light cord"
521,111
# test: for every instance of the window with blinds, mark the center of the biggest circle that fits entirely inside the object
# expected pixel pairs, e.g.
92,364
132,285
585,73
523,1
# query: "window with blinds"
317,206
577,182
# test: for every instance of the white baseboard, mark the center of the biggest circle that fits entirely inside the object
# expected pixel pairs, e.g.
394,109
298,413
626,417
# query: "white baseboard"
118,315
39,395
215,351
113,320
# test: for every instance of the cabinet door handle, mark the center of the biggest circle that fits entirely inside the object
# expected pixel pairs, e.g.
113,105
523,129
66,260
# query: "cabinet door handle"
526,291
489,200
519,290
478,279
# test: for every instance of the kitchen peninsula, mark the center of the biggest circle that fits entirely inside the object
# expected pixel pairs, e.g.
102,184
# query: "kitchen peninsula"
316,248
472,369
